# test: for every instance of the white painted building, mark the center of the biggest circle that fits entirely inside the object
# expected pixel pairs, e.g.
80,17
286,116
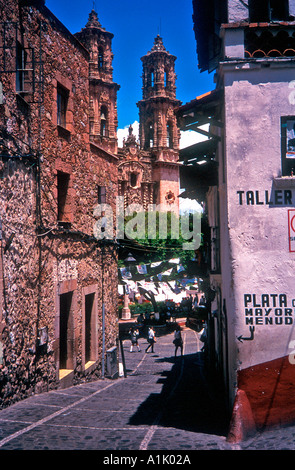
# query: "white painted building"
250,195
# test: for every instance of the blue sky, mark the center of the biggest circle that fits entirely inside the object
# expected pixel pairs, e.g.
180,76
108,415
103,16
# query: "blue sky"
135,24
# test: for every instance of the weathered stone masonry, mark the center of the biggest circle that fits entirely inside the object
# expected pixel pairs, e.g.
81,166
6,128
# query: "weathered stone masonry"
54,275
58,160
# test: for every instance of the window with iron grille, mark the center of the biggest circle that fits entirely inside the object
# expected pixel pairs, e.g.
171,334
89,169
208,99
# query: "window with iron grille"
20,68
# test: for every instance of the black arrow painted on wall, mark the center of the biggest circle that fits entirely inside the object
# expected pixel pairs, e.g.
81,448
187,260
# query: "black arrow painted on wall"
241,338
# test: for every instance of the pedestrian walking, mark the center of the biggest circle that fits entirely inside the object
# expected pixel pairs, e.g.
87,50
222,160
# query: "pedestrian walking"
178,343
202,301
134,333
196,301
151,339
203,337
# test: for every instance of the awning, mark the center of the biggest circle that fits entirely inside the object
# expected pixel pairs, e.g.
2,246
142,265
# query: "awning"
199,169
196,179
198,152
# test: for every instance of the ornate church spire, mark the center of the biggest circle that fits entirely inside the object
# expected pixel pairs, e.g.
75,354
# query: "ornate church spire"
93,21
103,120
158,44
158,131
158,126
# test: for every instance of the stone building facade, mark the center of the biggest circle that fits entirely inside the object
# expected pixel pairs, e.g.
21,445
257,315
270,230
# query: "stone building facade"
57,162
248,177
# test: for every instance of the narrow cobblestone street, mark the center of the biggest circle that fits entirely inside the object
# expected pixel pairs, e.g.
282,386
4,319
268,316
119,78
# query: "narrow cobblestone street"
164,403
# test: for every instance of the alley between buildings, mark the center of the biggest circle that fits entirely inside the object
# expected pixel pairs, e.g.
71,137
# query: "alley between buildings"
163,403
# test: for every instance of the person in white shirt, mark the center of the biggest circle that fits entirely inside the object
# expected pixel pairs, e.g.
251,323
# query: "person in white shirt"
151,339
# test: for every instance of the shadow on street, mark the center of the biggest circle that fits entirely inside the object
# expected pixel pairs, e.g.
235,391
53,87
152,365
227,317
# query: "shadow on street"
188,399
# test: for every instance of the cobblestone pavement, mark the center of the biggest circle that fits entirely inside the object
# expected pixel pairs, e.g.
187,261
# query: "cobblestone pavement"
164,403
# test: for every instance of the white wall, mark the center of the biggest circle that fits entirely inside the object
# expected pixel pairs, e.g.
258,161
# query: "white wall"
256,238
237,11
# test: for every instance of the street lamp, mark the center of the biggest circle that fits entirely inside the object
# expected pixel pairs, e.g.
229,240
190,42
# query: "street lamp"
126,314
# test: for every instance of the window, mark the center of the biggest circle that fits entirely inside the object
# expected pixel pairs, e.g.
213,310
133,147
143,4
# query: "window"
149,140
101,195
62,104
288,145
278,10
20,68
100,58
151,78
103,121
167,79
63,199
133,180
169,136
268,10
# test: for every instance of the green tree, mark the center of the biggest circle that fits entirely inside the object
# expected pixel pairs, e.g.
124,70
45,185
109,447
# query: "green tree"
159,236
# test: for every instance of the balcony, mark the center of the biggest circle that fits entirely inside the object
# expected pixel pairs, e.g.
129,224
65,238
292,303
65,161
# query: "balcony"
258,40
270,41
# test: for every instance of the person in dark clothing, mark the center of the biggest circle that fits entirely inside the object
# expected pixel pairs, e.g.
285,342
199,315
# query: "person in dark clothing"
178,340
134,339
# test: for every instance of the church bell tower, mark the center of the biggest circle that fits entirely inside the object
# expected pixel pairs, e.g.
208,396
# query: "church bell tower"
159,133
103,120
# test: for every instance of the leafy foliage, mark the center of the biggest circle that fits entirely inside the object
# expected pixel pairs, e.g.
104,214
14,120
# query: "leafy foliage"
157,238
